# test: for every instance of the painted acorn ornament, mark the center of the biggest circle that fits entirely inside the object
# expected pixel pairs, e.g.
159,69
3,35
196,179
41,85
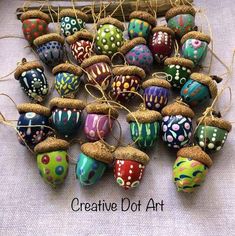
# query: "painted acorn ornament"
98,68
190,168
212,132
109,36
156,93
161,43
33,123
140,24
129,166
194,46
99,120
177,124
181,19
80,45
178,70
127,79
144,127
34,24
71,21
137,53
92,162
32,80
66,115
50,48
67,79
52,160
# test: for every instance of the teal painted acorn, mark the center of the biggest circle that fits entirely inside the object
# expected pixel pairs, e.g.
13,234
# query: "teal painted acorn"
147,130
92,162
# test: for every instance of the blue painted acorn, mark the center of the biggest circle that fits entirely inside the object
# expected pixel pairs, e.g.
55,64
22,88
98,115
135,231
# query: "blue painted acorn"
67,79
50,48
92,162
33,123
66,115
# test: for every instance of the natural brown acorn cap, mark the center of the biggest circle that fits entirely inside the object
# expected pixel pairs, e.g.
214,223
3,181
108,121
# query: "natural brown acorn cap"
195,153
79,35
74,13
27,66
130,153
95,59
177,108
31,107
129,70
206,80
67,103
51,144
67,67
98,151
112,21
47,38
180,10
163,29
156,82
179,61
32,14
143,15
129,44
196,35
144,116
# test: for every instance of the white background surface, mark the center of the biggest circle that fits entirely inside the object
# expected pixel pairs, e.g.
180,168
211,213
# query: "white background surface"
29,207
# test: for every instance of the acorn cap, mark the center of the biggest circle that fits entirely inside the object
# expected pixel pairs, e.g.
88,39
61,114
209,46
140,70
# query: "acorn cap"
79,35
67,67
144,116
33,14
95,59
179,61
131,153
102,108
26,66
163,29
51,144
129,44
112,21
31,107
129,70
74,13
195,153
156,82
179,10
47,38
196,35
206,80
143,15
177,108
98,151
67,103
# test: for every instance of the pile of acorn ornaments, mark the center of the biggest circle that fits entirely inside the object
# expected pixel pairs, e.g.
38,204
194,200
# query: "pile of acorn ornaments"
148,45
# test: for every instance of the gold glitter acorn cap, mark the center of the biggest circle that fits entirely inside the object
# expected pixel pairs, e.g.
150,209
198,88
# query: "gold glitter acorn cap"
195,153
177,108
112,21
47,38
79,35
98,151
156,82
51,144
67,67
31,107
206,80
102,108
179,10
34,14
179,61
131,153
163,29
195,35
143,15
129,70
74,13
95,59
67,103
129,44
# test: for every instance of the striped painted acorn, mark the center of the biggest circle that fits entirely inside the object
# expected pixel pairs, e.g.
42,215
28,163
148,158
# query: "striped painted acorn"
146,132
190,168
92,162
52,160
129,166
66,115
